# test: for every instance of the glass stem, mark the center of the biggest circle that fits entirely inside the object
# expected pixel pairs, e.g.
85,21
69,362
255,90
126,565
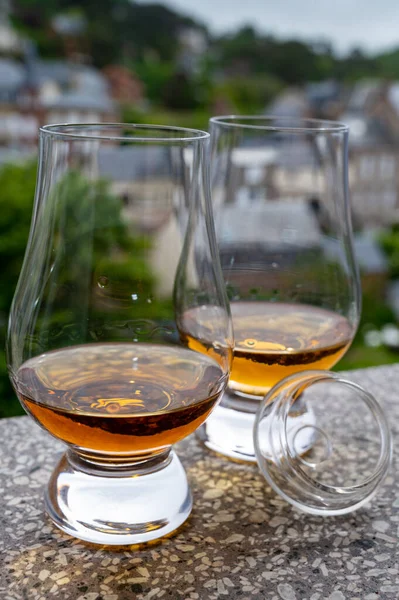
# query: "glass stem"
108,466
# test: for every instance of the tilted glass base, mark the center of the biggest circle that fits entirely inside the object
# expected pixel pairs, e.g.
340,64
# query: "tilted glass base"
106,505
229,430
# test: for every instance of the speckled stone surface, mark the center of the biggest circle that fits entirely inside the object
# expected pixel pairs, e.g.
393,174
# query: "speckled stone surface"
241,542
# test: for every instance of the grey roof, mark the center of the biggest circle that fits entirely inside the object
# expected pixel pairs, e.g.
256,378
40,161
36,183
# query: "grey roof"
12,74
59,71
69,75
292,222
323,91
82,87
298,155
362,93
84,101
85,88
91,80
125,163
291,103
273,224
288,156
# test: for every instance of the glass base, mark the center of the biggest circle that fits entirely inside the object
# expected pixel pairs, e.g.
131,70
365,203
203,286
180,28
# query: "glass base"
230,428
106,505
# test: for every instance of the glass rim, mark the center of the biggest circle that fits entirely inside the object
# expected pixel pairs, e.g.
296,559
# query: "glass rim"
285,124
60,131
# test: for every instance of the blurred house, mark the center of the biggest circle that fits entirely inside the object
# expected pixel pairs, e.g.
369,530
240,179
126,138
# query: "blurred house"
69,24
273,235
372,114
277,226
374,185
34,92
18,127
371,110
321,100
290,103
64,91
140,176
70,28
193,45
12,80
10,42
265,172
325,99
124,86
278,233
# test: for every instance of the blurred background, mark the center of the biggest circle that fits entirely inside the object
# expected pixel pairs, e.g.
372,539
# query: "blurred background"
180,62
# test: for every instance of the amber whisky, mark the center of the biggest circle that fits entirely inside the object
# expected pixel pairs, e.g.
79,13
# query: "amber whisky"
276,339
122,399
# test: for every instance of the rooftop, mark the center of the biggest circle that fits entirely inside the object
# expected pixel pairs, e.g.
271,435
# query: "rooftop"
272,224
12,74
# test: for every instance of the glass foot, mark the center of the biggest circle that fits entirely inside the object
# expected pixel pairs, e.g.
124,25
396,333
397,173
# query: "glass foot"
106,506
230,428
229,432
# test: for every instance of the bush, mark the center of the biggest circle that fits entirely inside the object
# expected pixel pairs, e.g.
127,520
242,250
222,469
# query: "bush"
17,185
249,94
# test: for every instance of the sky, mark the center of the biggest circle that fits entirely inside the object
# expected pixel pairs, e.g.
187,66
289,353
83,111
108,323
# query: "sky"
370,24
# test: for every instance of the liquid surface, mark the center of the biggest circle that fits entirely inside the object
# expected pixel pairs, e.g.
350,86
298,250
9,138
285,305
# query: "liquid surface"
274,340
120,398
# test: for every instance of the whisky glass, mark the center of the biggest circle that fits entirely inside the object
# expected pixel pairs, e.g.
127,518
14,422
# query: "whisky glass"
121,259
283,227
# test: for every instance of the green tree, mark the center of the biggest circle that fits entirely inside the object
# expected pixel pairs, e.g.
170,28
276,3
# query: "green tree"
91,246
295,62
180,92
116,30
17,185
250,94
389,241
155,74
356,65
388,64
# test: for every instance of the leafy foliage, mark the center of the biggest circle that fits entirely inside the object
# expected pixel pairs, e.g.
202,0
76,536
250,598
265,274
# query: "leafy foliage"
90,243
197,119
389,241
116,31
17,184
250,94
146,38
